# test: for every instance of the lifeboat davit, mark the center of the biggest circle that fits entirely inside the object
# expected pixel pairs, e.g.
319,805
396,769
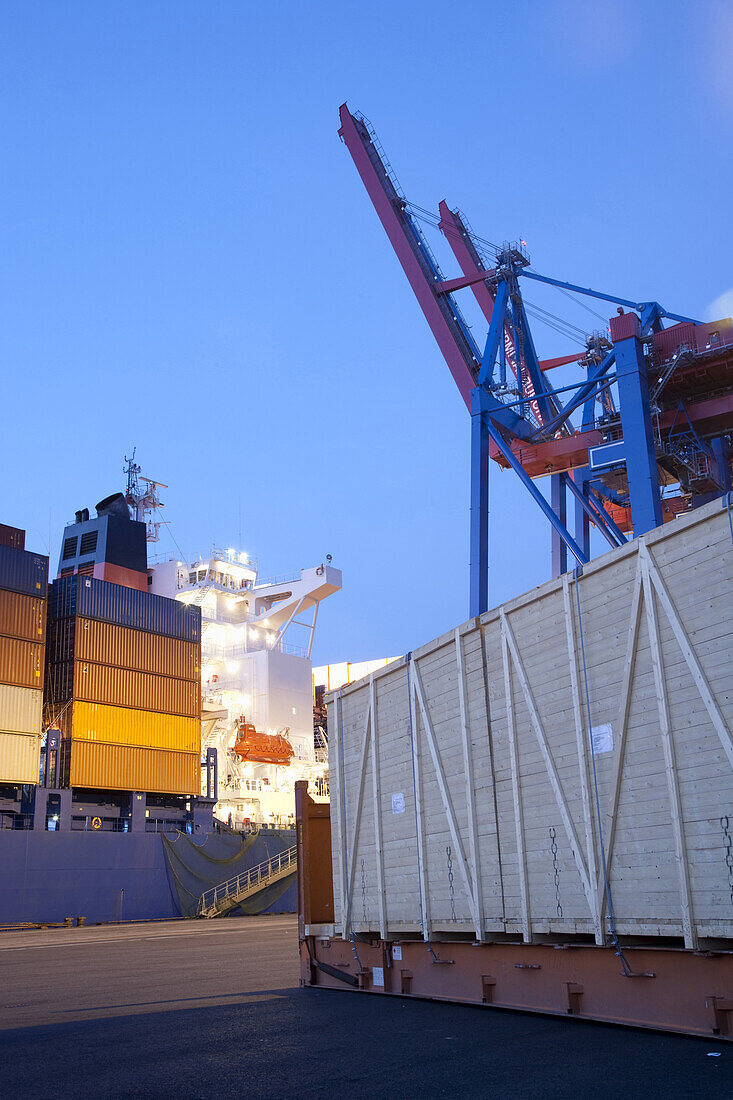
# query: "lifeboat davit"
261,748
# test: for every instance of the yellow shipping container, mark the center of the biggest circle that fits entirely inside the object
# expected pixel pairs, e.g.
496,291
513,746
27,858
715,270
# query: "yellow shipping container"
22,616
125,726
124,647
20,757
120,687
129,768
20,709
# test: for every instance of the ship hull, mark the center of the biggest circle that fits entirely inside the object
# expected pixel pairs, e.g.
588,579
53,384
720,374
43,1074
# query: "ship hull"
48,877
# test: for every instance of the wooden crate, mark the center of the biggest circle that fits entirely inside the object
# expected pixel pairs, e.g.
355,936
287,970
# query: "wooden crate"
466,800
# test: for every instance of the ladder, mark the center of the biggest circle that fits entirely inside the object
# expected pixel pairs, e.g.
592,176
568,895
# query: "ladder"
221,899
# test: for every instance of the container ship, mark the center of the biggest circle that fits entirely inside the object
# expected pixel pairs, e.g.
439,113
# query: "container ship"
153,721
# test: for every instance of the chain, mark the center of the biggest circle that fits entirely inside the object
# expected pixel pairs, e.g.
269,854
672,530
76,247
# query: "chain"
450,885
555,868
363,893
725,824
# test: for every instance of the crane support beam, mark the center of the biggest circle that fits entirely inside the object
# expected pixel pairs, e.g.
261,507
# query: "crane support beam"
474,273
641,460
534,492
709,417
479,529
596,514
584,391
605,297
561,360
558,500
472,279
441,312
469,261
496,333
483,410
545,405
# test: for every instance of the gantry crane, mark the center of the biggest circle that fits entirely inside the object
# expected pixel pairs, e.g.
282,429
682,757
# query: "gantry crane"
655,403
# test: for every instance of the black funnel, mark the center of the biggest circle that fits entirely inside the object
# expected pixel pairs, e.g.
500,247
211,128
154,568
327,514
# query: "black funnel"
114,505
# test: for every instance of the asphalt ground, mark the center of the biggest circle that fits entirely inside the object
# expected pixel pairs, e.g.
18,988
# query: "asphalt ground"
197,1010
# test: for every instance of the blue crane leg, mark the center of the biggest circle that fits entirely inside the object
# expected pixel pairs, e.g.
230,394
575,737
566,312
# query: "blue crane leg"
582,520
558,501
534,492
479,557
721,451
641,462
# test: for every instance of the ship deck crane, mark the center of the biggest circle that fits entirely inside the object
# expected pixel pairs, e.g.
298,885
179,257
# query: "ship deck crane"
667,425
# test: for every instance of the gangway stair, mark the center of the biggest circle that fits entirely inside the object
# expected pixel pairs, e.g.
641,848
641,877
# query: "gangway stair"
221,899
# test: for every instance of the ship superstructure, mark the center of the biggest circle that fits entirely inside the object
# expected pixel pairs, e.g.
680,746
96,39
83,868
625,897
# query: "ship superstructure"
257,639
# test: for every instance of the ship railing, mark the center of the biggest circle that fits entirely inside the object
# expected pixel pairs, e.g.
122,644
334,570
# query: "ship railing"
106,824
281,578
255,645
211,901
16,821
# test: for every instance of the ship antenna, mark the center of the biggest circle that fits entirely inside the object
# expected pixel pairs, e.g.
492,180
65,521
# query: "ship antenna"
142,500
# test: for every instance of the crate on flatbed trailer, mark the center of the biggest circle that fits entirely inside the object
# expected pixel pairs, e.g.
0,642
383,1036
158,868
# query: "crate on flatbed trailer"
478,783
467,779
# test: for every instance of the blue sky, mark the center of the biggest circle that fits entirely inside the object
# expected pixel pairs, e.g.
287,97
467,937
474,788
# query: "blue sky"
191,264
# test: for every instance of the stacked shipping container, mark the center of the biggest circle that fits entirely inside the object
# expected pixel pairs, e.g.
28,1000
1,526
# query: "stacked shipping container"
124,687
23,588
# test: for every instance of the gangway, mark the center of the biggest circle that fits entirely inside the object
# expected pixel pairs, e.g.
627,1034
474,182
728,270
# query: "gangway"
224,897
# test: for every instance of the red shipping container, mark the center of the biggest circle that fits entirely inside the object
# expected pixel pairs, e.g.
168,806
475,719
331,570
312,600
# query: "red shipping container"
667,342
12,536
716,334
624,325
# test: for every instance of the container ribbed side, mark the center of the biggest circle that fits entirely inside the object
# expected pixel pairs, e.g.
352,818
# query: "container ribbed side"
125,726
20,709
90,598
20,757
21,571
21,663
123,647
119,687
22,616
129,768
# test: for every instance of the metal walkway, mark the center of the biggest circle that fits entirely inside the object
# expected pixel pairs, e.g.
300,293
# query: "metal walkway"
227,895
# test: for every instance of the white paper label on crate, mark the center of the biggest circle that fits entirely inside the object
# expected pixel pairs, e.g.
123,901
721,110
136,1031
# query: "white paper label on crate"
398,803
602,737
378,975
397,952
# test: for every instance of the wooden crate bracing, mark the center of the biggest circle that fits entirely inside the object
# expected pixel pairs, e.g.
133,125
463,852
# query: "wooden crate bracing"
463,798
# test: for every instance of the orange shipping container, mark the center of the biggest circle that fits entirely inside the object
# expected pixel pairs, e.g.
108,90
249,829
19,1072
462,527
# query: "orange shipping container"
106,644
126,768
21,663
124,726
22,616
119,687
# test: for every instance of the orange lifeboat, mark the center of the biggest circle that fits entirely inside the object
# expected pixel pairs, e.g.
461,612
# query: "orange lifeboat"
261,748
